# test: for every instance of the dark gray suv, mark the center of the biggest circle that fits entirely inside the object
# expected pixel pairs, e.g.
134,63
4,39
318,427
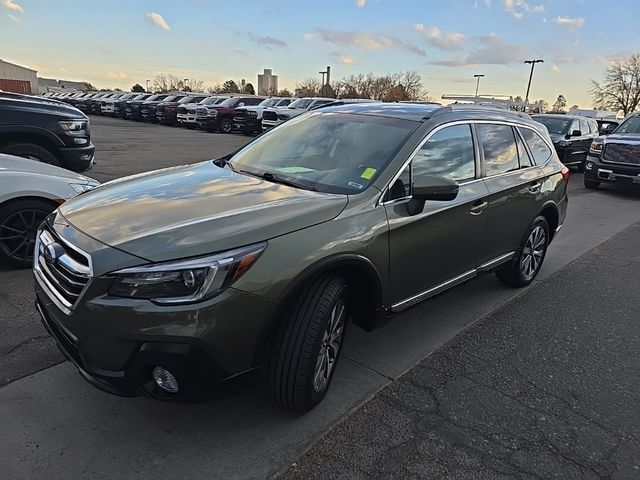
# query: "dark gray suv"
173,283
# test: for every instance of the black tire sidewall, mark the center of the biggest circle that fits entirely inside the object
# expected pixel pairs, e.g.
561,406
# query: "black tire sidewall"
539,221
27,150
223,122
316,397
16,206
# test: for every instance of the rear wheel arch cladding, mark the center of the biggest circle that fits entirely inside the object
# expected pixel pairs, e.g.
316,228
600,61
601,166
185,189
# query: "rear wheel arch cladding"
551,214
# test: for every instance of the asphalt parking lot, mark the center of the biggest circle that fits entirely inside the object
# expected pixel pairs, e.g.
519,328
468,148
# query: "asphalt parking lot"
57,426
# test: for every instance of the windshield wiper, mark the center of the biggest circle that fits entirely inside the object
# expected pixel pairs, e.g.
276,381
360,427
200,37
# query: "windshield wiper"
275,178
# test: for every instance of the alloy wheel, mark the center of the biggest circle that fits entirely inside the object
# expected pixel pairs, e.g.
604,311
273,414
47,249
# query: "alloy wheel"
533,252
18,233
330,346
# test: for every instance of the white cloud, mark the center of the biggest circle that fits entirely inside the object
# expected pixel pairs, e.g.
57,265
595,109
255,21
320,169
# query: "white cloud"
157,20
449,42
488,50
517,8
343,58
569,22
11,5
309,36
365,41
361,3
554,68
13,17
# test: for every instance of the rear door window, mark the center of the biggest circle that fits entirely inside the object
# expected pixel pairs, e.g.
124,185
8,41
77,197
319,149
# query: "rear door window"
498,144
525,160
584,127
538,147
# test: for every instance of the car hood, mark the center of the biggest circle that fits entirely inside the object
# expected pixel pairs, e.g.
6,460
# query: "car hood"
38,105
195,210
557,137
12,164
622,137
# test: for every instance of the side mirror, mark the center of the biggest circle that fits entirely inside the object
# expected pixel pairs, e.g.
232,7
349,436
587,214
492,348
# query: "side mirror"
576,133
429,187
241,104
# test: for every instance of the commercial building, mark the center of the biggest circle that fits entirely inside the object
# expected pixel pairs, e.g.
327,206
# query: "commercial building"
53,85
18,79
267,82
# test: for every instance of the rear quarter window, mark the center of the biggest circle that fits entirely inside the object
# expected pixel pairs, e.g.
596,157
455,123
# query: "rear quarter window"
538,147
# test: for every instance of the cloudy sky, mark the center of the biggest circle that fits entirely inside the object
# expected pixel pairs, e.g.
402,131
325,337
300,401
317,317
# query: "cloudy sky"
116,43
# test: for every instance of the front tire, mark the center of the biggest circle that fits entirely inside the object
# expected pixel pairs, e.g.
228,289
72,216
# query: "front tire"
225,125
33,152
19,221
307,345
592,184
525,267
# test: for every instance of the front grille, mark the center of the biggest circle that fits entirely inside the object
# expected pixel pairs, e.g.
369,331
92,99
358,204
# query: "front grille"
66,271
159,109
182,110
268,115
103,103
621,153
240,115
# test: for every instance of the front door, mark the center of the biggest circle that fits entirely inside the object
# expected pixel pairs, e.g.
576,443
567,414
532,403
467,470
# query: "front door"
443,241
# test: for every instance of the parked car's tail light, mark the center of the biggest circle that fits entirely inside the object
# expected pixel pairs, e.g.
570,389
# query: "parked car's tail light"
596,148
185,281
75,128
565,173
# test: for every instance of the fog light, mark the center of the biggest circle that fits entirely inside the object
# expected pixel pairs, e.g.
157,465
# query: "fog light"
165,380
589,166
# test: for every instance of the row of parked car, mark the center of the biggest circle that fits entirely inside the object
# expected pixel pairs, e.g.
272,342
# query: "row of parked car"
224,113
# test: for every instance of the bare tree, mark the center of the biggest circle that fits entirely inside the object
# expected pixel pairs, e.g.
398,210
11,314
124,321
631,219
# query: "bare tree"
309,88
196,85
620,89
544,105
166,82
230,87
389,88
560,103
283,93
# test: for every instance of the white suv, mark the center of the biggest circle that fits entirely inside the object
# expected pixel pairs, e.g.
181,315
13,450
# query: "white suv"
272,117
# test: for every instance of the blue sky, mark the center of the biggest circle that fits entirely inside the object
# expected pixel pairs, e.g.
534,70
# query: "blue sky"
116,43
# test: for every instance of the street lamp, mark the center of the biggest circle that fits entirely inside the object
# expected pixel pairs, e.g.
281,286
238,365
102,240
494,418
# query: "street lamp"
148,85
184,85
533,64
478,77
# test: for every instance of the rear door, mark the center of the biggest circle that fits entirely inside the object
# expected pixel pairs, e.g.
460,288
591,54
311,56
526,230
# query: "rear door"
514,183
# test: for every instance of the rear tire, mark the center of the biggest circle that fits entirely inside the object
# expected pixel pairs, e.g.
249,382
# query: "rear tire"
33,152
19,221
525,267
307,345
591,184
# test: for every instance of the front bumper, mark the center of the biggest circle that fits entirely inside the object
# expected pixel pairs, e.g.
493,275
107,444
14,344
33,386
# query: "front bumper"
78,159
116,347
208,123
269,124
167,118
598,171
188,119
247,124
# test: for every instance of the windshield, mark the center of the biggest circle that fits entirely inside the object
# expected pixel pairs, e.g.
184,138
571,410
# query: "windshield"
329,152
209,101
554,124
301,103
186,100
228,102
269,102
632,125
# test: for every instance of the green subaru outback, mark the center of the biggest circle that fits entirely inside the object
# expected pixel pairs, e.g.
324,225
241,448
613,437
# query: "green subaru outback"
174,283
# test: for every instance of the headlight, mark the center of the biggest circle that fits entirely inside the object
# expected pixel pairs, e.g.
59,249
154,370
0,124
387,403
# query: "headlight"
283,116
212,113
82,187
185,281
596,148
74,127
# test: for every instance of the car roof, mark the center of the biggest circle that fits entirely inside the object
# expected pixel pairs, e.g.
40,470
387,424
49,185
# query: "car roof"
562,115
423,111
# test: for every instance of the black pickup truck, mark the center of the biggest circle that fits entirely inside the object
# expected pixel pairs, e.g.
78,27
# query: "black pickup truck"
45,130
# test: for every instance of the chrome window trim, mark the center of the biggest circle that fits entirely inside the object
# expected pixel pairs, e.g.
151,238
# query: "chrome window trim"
479,174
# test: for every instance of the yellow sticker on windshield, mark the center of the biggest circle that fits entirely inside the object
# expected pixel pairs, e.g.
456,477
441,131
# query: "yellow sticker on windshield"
368,173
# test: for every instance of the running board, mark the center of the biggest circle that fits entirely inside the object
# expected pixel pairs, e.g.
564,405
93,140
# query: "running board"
432,292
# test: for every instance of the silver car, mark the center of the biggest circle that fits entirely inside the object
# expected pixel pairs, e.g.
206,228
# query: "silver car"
29,191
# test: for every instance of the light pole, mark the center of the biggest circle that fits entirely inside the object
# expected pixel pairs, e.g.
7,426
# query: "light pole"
148,85
478,77
323,74
533,64
184,85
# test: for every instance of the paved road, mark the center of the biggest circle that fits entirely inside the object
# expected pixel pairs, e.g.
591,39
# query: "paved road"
57,426
548,386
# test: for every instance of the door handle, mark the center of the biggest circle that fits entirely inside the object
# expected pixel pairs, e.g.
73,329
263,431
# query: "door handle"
534,187
478,208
